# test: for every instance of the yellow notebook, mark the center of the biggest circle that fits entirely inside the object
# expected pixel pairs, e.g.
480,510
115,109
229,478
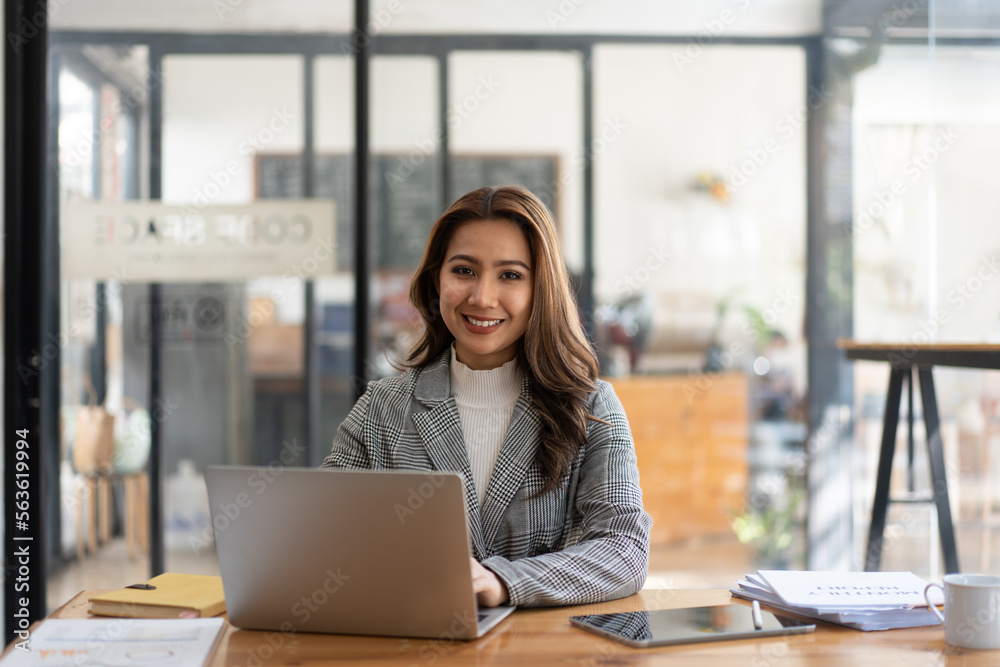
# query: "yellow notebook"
174,594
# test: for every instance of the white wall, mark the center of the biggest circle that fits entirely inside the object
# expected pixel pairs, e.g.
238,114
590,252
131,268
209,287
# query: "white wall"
404,103
729,17
334,90
213,106
203,15
710,17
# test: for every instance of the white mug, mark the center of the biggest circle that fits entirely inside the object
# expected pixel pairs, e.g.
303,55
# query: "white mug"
971,610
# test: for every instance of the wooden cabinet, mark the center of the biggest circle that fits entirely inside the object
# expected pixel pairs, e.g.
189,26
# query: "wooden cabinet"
691,434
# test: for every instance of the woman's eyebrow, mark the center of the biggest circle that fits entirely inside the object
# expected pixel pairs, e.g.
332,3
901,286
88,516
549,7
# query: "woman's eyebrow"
509,262
500,262
464,258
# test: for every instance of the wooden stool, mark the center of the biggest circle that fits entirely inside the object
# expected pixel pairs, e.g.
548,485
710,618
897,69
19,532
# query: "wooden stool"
136,511
95,493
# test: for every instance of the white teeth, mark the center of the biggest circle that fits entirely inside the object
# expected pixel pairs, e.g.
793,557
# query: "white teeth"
483,323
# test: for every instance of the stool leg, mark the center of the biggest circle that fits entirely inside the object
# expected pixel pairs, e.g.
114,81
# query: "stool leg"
92,512
104,484
938,475
130,500
80,498
881,503
144,511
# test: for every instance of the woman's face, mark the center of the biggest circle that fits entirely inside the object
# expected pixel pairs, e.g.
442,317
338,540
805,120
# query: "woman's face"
486,286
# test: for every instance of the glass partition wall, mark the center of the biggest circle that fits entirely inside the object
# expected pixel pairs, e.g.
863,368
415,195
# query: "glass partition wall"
925,236
630,165
678,149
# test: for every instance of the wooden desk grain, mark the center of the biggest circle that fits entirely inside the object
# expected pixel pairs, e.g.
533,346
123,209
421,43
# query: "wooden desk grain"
544,637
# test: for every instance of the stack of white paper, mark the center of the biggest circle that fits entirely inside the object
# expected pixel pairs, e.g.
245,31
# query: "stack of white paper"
860,600
65,642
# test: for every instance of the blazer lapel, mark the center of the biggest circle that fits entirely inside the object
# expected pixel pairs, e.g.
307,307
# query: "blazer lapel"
516,456
440,430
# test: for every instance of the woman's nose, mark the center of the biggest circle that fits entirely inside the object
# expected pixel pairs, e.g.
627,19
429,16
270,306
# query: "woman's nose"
484,295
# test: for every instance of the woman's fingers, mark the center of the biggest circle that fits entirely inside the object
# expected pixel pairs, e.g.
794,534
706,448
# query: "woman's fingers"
489,590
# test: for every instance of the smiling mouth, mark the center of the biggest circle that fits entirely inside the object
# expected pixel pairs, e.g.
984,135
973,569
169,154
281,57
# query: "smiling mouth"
481,323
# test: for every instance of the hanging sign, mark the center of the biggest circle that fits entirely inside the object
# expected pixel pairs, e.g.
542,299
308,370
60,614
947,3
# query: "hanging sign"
155,242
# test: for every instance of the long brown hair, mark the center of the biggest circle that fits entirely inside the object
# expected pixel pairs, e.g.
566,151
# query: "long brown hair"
553,352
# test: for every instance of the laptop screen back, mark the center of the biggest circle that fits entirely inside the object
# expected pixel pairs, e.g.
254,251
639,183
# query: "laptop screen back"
358,552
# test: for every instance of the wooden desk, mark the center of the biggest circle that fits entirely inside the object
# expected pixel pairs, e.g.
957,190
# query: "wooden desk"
905,360
544,636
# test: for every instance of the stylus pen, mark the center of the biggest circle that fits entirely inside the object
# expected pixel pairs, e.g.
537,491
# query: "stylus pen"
758,621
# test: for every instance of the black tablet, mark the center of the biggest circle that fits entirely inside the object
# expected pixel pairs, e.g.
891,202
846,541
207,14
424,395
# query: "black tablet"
665,627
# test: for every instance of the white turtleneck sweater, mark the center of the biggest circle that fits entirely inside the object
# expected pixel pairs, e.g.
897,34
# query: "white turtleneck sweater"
486,402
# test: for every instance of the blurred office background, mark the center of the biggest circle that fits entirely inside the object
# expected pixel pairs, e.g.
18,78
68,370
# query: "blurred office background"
737,184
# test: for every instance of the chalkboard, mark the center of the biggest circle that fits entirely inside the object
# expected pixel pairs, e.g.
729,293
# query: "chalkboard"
404,195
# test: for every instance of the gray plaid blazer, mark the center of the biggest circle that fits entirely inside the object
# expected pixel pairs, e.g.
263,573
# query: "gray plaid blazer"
587,541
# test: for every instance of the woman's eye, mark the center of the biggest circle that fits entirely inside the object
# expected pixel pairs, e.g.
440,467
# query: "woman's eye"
511,275
462,271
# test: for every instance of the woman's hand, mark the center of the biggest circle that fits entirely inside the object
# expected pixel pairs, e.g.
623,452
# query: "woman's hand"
490,591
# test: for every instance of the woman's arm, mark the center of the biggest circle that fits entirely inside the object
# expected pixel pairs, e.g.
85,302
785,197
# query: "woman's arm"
349,448
610,559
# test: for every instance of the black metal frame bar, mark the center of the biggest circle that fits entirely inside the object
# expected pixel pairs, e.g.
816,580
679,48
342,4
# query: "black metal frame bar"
585,296
310,364
157,563
444,146
27,285
51,378
827,318
361,43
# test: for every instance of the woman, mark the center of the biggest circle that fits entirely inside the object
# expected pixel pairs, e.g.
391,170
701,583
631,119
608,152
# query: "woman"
502,387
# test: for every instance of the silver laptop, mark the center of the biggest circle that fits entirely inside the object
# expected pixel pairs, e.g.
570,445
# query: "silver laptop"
346,551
